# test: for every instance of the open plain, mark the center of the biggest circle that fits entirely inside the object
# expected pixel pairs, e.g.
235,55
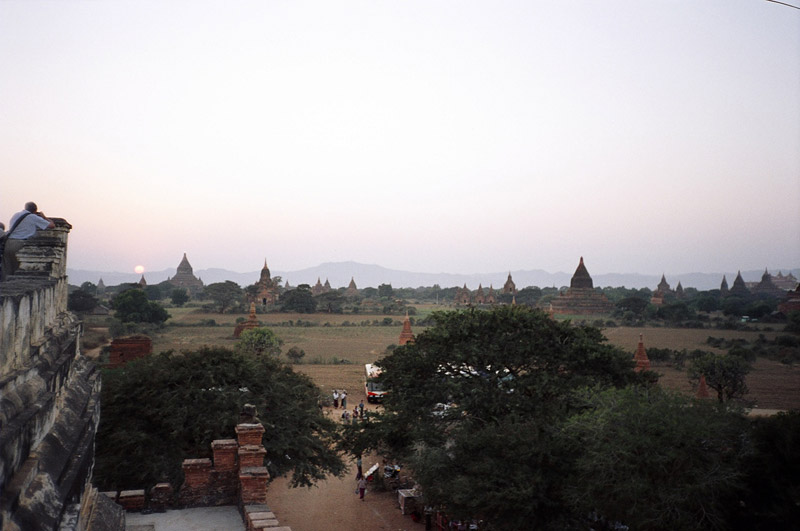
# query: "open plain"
337,346
335,355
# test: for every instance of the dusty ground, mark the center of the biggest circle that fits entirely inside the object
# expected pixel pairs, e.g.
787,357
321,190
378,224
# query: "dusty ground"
333,504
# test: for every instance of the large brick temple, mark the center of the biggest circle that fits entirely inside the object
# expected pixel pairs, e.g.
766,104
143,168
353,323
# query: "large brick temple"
184,278
581,298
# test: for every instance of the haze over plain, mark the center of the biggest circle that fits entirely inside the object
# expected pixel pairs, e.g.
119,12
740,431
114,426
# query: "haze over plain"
424,136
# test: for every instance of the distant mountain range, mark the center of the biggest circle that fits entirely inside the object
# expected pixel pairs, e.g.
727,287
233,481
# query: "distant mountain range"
365,275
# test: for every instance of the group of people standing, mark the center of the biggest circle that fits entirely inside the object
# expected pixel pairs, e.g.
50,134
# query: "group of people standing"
347,416
339,395
23,225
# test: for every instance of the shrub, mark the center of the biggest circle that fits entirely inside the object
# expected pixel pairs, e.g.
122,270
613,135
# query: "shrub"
787,341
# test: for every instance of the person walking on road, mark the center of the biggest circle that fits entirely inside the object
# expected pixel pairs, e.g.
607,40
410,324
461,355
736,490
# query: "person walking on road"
335,399
362,487
360,473
344,399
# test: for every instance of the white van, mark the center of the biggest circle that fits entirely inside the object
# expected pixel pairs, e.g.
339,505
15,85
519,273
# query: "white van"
372,389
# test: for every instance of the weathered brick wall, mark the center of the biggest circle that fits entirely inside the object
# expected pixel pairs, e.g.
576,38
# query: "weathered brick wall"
236,474
49,393
126,349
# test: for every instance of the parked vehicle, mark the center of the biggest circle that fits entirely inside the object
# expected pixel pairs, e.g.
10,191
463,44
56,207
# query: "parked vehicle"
373,389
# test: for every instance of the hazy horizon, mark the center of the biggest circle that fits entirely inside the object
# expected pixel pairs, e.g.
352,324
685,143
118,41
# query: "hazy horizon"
372,275
647,137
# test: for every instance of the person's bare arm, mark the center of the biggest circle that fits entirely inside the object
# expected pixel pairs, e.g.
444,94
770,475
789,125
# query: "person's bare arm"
51,225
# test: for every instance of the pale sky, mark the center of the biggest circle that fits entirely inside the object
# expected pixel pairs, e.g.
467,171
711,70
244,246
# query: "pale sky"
431,136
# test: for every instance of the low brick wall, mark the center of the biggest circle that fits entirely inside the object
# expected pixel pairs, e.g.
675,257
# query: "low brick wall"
125,349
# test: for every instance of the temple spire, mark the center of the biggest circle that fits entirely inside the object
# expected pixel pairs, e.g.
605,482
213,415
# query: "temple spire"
702,388
642,361
406,336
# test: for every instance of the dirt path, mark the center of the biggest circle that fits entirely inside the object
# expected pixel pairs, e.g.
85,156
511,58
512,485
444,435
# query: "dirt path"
332,505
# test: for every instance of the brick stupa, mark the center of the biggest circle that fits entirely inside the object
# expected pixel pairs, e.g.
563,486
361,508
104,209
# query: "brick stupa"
641,359
739,288
702,388
352,290
406,336
581,297
252,322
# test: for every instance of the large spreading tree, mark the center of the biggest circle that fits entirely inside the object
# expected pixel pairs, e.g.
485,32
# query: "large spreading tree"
725,374
224,294
476,407
160,410
133,306
655,459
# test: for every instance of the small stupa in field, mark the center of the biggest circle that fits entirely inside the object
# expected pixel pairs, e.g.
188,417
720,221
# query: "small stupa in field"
702,388
252,322
406,336
641,359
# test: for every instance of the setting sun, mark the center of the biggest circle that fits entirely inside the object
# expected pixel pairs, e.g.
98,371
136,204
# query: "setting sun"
138,269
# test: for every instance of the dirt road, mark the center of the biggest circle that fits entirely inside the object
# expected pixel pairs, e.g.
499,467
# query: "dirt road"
332,505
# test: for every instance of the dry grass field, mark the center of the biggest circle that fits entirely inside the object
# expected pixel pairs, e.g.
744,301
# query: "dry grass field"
772,384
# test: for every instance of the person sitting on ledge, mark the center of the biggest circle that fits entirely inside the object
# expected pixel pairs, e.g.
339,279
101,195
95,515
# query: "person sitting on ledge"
23,225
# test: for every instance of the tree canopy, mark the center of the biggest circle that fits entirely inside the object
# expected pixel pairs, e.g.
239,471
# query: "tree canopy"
132,306
299,300
475,405
258,341
654,459
223,294
179,296
162,409
81,301
725,374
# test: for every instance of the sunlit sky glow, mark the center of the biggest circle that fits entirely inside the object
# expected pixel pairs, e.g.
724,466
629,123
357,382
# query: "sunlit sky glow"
457,136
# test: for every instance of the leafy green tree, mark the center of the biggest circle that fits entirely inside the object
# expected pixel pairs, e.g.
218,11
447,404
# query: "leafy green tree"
259,341
793,322
734,306
760,308
299,300
475,405
725,374
89,288
81,301
153,292
251,291
330,302
162,409
223,294
653,459
706,303
369,293
529,295
675,311
295,354
635,305
132,306
771,497
385,290
179,296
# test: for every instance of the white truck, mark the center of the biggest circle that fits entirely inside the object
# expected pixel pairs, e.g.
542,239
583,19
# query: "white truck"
373,389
